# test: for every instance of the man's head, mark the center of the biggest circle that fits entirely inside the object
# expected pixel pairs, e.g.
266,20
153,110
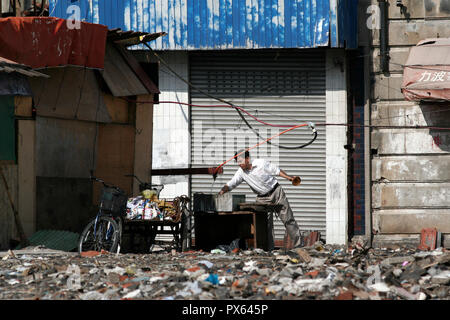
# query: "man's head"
243,159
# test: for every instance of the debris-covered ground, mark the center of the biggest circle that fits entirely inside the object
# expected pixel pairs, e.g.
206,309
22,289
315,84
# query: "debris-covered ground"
321,272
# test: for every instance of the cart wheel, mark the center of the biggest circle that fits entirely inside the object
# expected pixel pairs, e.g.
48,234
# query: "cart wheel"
184,239
120,225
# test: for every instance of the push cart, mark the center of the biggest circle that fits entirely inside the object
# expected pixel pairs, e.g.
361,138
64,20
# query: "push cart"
111,231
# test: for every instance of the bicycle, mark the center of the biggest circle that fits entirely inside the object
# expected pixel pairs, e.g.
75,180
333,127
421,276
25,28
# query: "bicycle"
104,232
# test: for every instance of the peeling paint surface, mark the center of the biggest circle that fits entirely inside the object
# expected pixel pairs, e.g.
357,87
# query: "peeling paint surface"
227,24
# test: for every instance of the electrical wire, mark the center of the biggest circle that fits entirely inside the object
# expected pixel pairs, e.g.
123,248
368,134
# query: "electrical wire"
290,118
218,106
316,123
239,109
232,105
256,145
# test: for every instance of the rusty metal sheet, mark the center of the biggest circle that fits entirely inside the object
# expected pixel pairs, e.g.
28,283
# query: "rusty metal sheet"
426,74
42,42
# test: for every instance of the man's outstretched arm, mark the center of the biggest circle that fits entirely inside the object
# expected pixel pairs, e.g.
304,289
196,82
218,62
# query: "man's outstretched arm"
285,175
296,180
224,190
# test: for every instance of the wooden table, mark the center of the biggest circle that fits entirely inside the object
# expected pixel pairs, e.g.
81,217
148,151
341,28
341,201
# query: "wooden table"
221,228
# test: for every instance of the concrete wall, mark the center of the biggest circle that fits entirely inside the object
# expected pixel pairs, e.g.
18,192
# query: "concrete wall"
336,154
171,138
410,167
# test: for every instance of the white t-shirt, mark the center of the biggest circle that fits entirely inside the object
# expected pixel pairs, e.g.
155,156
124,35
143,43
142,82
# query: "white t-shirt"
260,177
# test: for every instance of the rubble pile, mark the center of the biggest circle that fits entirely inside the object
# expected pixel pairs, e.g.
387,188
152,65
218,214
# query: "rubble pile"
321,272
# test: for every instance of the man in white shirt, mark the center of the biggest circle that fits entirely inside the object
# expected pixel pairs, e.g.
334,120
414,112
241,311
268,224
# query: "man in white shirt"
259,175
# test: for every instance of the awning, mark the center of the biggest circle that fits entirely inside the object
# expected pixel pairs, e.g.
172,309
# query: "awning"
8,66
41,42
13,78
426,75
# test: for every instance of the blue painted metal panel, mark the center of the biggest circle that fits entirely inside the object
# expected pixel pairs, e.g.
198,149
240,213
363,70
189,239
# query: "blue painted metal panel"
226,24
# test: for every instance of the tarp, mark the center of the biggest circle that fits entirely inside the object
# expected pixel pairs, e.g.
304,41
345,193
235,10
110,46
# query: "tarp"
41,42
426,75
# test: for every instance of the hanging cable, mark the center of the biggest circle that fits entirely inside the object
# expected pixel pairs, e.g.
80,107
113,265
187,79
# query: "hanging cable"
256,145
317,123
238,109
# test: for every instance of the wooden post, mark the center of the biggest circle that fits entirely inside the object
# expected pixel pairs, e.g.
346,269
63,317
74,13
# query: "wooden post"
26,200
143,140
23,238
17,9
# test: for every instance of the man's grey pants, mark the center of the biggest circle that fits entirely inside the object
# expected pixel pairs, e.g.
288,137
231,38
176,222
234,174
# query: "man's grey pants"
285,214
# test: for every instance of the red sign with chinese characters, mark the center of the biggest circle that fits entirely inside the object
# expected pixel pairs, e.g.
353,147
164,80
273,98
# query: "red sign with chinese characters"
431,83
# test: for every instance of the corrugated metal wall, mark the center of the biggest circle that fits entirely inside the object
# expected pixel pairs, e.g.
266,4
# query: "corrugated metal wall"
225,24
285,88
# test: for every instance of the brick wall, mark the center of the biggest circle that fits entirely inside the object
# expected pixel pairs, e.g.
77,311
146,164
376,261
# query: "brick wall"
358,172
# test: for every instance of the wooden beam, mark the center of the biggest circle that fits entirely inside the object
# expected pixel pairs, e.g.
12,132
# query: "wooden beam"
26,203
140,73
143,140
184,171
23,239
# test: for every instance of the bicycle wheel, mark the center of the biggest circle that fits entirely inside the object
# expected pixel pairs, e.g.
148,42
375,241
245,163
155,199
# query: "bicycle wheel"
101,233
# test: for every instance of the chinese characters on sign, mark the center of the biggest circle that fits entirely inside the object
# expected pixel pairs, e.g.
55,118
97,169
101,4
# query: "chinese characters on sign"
428,76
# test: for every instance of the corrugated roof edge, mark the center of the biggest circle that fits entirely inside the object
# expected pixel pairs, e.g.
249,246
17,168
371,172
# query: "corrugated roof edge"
123,39
9,66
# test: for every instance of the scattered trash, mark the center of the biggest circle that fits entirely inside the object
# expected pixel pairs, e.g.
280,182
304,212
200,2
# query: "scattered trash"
133,294
320,272
234,246
9,255
218,251
303,255
206,263
380,286
89,254
213,278
430,238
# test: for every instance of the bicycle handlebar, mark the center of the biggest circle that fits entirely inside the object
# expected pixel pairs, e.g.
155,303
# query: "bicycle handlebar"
142,185
92,177
145,185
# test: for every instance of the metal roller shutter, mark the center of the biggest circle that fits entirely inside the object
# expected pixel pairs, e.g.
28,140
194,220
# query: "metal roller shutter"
279,87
